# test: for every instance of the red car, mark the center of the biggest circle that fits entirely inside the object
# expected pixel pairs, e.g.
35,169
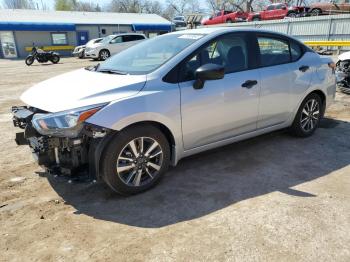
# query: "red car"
277,11
226,17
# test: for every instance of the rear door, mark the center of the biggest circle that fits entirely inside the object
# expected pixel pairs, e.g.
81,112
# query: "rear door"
276,78
222,108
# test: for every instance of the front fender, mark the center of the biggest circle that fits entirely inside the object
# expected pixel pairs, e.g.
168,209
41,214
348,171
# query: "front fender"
160,105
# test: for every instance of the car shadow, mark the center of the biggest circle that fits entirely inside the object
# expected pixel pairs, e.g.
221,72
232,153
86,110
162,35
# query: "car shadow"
210,181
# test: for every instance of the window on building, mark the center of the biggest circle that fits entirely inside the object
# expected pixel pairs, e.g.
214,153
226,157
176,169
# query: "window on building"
59,38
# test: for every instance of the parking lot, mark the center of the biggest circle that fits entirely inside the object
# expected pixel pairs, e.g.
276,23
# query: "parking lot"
271,198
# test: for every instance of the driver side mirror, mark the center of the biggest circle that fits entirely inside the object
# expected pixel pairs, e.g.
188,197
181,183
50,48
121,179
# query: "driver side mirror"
284,8
208,72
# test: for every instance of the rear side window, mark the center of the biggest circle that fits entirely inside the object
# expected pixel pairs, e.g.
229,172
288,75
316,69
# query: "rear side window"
129,38
273,51
296,51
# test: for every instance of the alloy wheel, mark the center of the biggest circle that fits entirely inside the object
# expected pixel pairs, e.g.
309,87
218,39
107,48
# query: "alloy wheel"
104,55
310,115
140,161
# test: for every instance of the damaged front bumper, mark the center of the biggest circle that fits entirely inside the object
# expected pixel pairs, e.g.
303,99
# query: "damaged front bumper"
343,75
61,155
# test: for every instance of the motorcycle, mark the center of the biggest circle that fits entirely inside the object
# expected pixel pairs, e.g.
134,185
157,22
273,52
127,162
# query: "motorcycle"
42,57
343,72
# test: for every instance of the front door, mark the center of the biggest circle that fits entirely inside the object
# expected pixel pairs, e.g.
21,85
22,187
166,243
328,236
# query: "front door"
222,108
83,37
8,44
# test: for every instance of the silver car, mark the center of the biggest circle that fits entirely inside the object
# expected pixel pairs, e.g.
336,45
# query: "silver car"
126,120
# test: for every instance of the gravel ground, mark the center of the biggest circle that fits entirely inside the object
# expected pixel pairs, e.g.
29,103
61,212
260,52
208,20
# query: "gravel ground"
271,198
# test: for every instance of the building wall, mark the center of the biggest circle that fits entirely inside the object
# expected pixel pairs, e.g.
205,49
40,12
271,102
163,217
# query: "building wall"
96,31
27,38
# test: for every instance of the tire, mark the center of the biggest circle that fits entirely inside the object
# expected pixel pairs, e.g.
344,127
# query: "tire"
135,173
229,21
256,19
316,12
55,59
292,15
81,55
306,121
104,54
29,60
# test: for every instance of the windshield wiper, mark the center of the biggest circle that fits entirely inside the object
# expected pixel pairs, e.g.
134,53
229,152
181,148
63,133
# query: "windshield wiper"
93,68
112,71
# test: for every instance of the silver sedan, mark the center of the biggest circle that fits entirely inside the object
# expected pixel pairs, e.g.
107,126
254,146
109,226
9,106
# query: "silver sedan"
129,118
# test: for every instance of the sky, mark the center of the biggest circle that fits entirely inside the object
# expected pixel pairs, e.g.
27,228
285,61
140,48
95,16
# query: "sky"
50,3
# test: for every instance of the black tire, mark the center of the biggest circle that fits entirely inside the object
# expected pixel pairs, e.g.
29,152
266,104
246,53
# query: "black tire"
256,18
316,12
115,148
297,126
229,21
55,59
29,60
292,14
81,55
104,54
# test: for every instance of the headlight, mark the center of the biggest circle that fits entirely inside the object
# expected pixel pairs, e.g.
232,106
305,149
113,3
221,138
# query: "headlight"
64,124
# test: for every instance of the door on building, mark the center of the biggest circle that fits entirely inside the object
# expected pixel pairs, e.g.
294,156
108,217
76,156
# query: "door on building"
83,37
8,44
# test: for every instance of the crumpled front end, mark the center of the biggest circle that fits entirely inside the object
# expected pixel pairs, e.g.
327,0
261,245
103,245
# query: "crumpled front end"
64,153
343,75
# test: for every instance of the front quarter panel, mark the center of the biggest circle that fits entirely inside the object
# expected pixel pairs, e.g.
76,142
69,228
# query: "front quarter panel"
157,102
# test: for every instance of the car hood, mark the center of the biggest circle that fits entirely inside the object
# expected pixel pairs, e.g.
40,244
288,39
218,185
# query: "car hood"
94,45
81,88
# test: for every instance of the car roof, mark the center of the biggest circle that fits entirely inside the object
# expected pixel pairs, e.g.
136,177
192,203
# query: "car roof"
214,30
127,34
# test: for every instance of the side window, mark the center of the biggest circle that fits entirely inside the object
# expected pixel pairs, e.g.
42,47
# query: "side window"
229,51
295,50
270,7
280,6
116,40
273,51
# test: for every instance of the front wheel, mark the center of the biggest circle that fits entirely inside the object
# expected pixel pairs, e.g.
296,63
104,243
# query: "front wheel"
55,59
256,19
29,60
316,12
308,116
104,54
135,159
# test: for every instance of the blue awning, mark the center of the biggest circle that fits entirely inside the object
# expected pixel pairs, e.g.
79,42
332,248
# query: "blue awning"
29,26
152,27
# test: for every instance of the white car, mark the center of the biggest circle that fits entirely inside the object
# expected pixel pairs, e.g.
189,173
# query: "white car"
112,44
79,51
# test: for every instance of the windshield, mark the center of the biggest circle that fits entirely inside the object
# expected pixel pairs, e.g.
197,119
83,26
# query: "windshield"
148,55
107,39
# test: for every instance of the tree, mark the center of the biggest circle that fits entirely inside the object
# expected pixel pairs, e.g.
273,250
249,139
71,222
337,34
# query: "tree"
18,4
64,5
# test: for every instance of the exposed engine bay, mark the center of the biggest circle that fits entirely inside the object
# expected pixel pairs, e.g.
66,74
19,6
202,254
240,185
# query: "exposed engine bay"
343,72
60,155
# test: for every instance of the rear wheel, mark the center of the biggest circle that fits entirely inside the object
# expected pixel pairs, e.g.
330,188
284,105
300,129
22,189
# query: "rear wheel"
316,12
229,21
292,15
308,116
55,59
256,19
29,60
104,54
135,160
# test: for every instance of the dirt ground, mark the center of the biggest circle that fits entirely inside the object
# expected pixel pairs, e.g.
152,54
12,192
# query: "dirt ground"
272,198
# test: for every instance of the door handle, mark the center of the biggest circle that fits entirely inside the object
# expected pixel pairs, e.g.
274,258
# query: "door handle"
304,68
249,83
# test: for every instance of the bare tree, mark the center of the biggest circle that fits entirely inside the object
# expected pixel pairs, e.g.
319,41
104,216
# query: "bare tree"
18,4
